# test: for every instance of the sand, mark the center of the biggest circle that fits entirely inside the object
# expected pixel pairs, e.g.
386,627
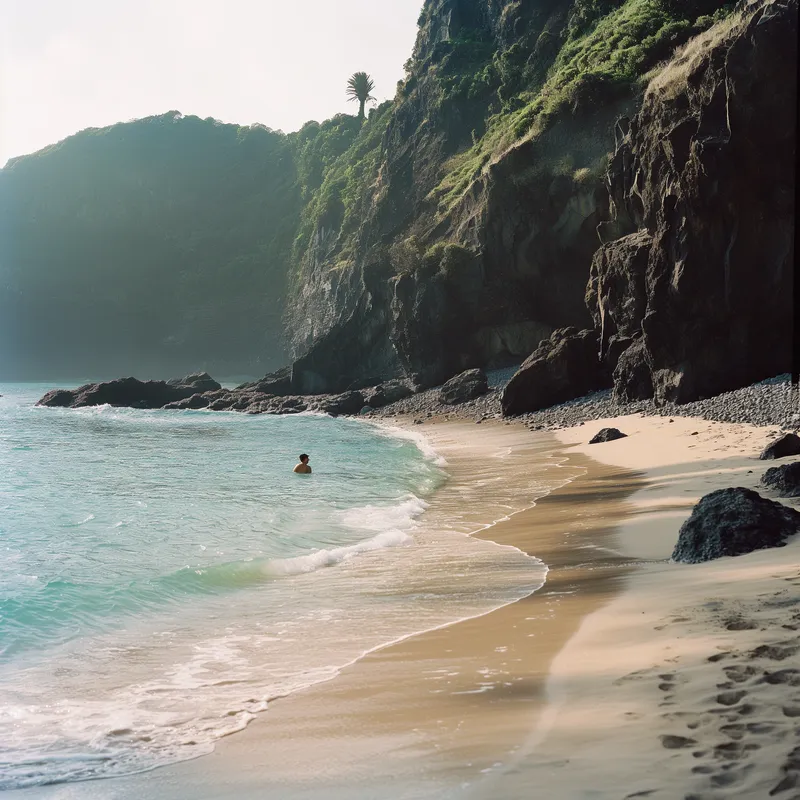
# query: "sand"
687,685
624,676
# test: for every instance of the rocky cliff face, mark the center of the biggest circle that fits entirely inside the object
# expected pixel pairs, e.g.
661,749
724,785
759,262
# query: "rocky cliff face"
478,217
513,243
702,183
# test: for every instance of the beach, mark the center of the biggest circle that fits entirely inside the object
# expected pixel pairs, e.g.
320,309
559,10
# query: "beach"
625,675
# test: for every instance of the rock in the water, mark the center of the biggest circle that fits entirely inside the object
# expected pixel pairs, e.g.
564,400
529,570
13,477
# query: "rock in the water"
466,386
194,402
124,392
786,445
607,435
199,381
732,522
563,367
785,480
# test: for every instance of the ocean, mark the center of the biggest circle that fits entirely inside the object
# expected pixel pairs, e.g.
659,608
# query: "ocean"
165,577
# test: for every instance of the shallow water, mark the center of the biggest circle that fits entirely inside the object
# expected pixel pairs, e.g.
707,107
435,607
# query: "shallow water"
164,575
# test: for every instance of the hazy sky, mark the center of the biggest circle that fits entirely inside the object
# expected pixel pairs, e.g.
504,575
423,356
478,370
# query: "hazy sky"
66,65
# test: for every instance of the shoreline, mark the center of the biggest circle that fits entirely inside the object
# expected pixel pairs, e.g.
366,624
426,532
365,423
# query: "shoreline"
619,652
692,671
295,725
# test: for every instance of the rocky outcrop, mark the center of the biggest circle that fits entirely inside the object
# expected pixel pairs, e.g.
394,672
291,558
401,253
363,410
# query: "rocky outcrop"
467,386
732,522
705,172
277,383
563,367
199,381
607,435
785,480
786,445
125,392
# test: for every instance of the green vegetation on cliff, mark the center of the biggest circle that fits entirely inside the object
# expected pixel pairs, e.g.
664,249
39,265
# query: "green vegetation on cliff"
175,243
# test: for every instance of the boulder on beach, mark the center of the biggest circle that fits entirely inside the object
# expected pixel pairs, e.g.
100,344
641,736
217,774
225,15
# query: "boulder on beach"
346,403
563,367
786,445
388,392
465,386
732,522
785,479
607,435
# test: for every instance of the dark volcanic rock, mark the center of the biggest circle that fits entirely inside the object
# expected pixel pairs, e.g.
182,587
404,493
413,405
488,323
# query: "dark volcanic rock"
785,480
275,383
616,295
563,367
194,402
732,522
124,392
786,445
466,386
347,403
607,435
704,172
199,381
388,392
632,378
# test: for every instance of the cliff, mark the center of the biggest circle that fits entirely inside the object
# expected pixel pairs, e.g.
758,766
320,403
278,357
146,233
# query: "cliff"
476,220
703,180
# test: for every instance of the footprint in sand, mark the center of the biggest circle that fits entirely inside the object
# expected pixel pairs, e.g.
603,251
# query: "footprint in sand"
719,656
776,652
791,711
676,742
739,624
789,677
739,674
735,751
730,698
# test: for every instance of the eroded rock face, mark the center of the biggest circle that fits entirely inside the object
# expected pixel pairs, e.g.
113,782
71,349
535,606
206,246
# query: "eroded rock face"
563,367
732,522
468,385
632,377
705,173
785,480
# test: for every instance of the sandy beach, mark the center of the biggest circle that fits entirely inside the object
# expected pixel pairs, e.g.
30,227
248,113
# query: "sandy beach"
624,676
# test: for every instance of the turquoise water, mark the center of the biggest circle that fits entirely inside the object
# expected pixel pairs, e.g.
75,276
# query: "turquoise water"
164,575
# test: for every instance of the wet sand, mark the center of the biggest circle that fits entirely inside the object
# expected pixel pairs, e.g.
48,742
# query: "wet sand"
438,712
625,676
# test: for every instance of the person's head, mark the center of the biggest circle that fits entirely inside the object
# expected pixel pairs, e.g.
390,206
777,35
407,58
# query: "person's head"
304,459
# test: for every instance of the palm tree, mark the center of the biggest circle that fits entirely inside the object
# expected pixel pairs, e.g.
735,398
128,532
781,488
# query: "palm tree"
358,88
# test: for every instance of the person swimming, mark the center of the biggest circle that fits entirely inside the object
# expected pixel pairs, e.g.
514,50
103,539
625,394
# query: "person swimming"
303,468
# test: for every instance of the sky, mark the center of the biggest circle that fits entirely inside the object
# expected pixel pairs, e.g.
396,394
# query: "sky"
66,65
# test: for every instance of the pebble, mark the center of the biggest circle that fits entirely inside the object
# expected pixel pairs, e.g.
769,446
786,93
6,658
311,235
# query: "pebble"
771,402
